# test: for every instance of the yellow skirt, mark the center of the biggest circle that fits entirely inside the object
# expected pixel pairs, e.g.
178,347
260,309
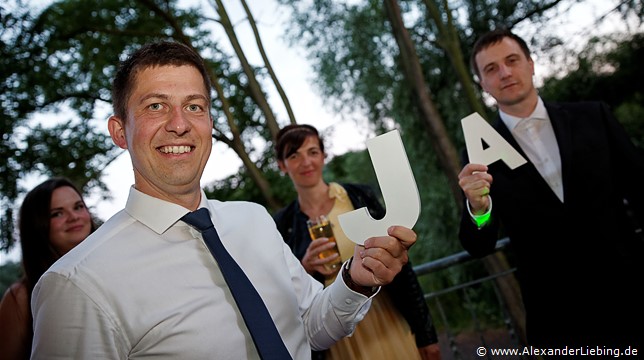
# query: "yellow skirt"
382,334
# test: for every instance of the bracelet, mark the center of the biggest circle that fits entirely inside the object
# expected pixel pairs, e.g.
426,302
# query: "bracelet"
367,291
483,219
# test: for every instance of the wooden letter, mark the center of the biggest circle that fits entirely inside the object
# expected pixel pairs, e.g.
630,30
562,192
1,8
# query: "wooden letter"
398,187
476,130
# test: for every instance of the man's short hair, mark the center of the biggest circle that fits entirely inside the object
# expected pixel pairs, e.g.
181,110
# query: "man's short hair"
161,53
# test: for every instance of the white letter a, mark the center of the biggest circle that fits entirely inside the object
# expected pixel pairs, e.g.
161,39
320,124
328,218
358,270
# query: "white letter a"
476,130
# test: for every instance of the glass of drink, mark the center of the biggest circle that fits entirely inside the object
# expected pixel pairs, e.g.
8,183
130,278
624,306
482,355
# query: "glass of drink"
321,227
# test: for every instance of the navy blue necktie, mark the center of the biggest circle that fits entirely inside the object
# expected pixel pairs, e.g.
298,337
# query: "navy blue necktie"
262,329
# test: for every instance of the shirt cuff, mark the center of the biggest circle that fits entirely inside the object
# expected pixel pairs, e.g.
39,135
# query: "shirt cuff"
481,219
348,281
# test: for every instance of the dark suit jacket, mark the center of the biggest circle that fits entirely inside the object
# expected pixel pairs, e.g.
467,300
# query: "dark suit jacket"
579,262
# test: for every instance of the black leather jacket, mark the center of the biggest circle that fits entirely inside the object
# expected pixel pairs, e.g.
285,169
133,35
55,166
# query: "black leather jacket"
404,290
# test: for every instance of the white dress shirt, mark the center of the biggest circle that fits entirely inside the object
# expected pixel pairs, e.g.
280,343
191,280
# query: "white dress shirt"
537,138
145,285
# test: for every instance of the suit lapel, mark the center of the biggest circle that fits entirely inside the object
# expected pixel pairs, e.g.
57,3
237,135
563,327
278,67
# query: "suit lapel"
560,119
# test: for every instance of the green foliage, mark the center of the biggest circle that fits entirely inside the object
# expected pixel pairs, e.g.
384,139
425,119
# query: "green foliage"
51,64
32,83
240,187
82,165
11,24
10,272
352,167
630,114
609,69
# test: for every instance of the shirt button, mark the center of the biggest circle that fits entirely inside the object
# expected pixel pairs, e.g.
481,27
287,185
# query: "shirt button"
348,301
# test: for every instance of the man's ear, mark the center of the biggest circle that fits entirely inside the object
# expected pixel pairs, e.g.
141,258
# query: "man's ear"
117,131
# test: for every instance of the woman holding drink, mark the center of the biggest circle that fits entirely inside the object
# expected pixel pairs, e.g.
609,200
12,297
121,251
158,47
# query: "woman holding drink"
398,325
320,227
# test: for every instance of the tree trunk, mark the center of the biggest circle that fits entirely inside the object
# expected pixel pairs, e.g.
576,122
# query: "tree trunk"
450,42
269,67
254,87
237,145
445,149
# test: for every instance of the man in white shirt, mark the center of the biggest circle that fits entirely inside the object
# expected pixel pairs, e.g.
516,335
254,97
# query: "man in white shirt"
577,249
145,284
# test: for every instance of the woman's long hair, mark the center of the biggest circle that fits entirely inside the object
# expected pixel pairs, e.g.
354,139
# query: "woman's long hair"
33,223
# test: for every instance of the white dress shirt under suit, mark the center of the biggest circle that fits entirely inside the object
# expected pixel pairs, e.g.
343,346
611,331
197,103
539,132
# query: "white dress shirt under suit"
537,139
145,285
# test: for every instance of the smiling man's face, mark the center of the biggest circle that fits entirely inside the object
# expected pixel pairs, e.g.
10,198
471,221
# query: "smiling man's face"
168,130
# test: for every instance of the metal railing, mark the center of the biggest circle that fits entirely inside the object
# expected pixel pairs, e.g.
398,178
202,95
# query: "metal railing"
458,350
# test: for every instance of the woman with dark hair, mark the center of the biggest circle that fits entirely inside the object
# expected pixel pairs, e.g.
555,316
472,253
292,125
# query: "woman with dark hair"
398,325
53,219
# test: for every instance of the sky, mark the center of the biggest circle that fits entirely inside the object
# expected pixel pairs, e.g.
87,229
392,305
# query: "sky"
295,74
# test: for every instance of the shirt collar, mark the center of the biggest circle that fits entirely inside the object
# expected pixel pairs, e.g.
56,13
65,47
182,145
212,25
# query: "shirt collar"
159,215
539,113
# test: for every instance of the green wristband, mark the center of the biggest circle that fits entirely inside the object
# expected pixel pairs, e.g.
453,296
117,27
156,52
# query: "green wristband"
482,220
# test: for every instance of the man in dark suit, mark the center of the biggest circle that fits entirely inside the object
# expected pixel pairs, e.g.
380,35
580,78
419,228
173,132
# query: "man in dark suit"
573,212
